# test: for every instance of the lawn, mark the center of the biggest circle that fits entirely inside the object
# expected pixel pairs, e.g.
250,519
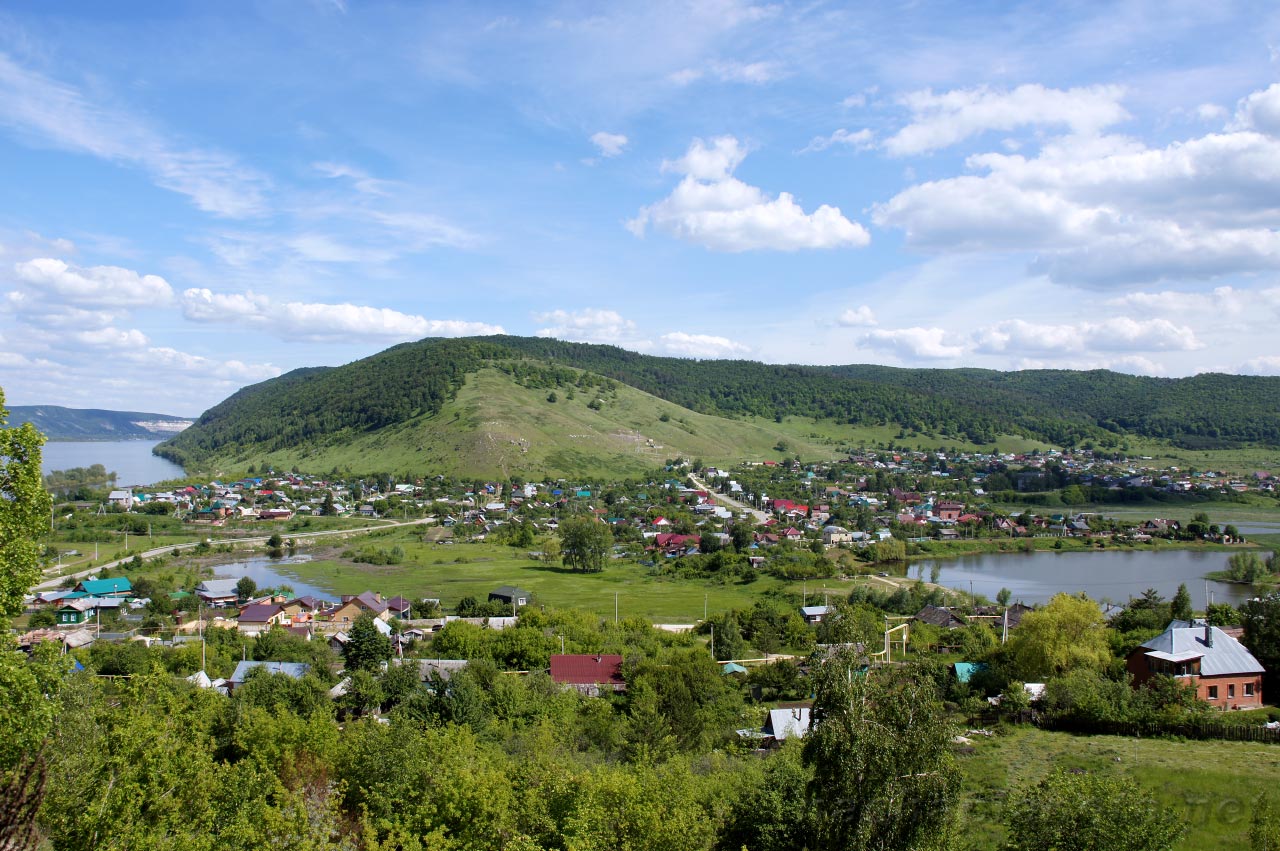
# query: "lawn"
451,572
1211,785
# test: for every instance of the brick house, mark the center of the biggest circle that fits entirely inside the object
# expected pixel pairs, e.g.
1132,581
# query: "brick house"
1222,671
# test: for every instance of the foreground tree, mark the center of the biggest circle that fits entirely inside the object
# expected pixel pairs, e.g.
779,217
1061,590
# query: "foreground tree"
880,750
1089,812
585,544
366,648
24,513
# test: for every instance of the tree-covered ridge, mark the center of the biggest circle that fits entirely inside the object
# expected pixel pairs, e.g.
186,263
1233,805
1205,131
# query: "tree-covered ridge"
59,423
324,405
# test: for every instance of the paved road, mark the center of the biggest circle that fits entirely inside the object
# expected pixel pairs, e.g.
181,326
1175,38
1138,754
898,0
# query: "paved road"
760,516
57,581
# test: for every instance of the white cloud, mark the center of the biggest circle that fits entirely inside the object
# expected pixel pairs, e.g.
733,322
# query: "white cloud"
610,144
1105,210
701,346
111,338
909,343
1260,111
860,140
173,360
751,73
360,179
857,317
941,120
97,286
755,73
1112,334
59,114
1264,365
714,209
589,325
1239,305
322,322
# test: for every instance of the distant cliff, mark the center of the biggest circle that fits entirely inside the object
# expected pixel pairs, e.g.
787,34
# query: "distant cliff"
59,423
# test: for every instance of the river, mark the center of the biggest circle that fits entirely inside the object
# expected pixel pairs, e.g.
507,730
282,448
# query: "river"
130,460
1114,575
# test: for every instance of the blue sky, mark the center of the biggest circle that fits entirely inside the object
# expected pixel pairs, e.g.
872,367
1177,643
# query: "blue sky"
201,196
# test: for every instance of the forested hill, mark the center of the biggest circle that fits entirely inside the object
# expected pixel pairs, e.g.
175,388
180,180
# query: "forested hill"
414,380
58,423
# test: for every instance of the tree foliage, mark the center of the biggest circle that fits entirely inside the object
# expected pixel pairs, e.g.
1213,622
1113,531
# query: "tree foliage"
585,544
880,752
1068,632
1090,812
366,648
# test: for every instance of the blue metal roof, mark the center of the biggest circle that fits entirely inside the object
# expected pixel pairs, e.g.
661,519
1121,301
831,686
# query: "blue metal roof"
1225,656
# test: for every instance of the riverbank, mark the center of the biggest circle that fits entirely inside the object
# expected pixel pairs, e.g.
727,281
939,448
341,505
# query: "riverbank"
922,550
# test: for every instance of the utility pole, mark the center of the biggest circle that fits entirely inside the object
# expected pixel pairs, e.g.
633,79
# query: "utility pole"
713,641
615,608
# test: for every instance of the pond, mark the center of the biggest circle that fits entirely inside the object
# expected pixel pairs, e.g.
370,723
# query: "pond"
272,573
130,460
1114,575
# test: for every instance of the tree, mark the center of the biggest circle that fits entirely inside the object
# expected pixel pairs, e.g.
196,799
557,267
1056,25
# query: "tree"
327,508
1003,596
366,648
1221,614
1089,812
1261,621
1245,567
880,751
24,513
585,544
1069,632
246,587
1180,608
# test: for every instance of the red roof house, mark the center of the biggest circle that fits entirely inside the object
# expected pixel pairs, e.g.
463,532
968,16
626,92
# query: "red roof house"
590,674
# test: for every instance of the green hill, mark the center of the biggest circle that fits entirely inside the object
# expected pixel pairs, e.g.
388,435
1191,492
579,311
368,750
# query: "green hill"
481,406
58,423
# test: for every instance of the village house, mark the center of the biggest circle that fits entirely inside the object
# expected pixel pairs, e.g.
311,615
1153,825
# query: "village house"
589,674
259,617
352,607
217,592
117,586
511,595
296,670
1215,664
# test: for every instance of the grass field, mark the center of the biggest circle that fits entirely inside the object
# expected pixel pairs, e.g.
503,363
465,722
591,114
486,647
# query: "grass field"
451,572
1211,785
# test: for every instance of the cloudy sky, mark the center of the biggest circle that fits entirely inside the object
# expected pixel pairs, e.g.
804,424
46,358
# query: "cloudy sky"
196,199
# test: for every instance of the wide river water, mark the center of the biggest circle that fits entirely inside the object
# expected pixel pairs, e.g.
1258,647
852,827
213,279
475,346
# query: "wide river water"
130,460
1114,575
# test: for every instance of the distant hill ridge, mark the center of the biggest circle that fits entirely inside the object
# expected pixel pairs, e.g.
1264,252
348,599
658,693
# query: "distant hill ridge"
314,412
59,423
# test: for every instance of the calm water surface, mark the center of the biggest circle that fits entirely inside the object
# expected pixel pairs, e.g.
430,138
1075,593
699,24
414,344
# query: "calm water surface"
1114,575
272,573
131,460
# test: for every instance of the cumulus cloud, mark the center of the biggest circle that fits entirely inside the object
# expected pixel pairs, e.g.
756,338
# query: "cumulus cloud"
1107,210
856,317
111,338
941,120
701,346
1112,334
915,343
860,140
322,322
97,286
173,360
1260,111
609,144
589,325
56,113
714,209
1260,305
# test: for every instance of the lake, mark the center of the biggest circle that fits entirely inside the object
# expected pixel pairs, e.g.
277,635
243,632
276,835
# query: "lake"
131,460
272,573
1115,575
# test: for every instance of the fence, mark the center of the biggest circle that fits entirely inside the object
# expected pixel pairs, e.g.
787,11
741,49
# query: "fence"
1152,729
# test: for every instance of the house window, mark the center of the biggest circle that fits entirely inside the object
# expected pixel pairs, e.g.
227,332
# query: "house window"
1231,690
1248,689
1213,692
